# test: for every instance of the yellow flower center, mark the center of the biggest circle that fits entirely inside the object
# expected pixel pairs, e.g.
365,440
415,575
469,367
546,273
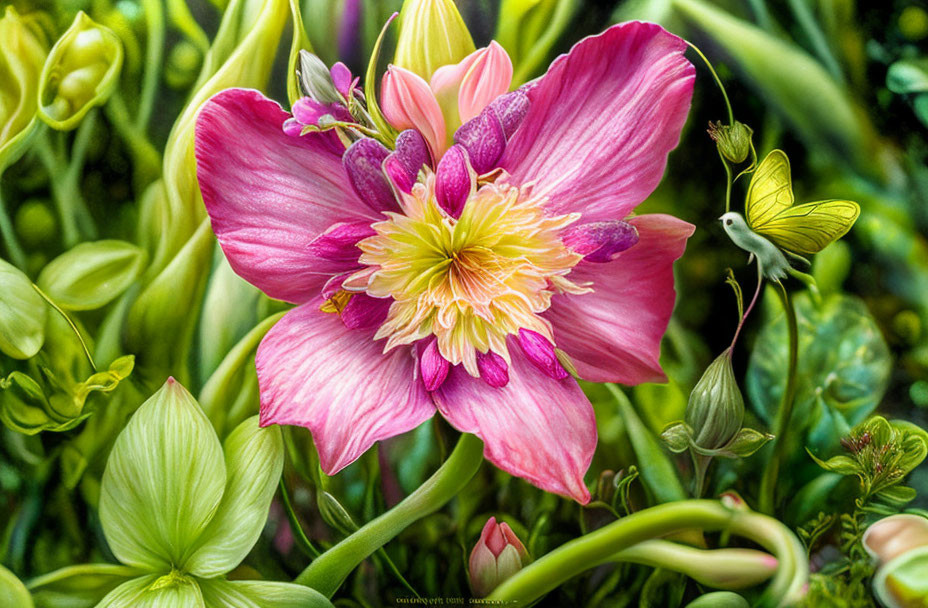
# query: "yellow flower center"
469,282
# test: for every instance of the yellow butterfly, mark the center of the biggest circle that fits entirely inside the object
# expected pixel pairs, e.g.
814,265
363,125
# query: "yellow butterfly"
799,229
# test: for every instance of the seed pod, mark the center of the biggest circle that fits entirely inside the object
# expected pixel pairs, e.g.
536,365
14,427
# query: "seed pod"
716,408
81,72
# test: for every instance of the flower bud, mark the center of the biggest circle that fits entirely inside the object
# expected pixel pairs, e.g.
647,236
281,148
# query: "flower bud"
21,58
81,71
733,141
497,555
715,409
432,34
900,544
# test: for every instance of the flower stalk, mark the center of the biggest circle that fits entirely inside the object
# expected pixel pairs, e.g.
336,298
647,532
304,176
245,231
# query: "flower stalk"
330,569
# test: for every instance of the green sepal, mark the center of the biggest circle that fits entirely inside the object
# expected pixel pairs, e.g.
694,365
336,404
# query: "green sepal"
743,444
91,275
254,459
163,482
81,72
22,314
334,514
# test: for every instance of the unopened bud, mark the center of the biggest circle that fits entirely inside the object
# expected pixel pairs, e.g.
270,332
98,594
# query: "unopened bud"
733,141
715,409
432,34
497,555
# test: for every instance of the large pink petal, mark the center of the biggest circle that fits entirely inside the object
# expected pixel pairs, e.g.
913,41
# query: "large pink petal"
269,194
535,427
602,121
337,382
614,334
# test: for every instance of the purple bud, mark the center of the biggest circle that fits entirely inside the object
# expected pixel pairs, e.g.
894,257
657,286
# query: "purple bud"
493,369
453,181
600,241
484,140
403,165
433,366
339,242
364,312
541,353
510,108
364,163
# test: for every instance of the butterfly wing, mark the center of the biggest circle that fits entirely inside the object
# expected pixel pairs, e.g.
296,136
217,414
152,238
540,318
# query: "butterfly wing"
810,227
771,190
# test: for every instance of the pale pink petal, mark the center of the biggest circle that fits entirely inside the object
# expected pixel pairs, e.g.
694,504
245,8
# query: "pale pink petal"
614,334
408,103
313,372
534,427
269,195
602,121
488,78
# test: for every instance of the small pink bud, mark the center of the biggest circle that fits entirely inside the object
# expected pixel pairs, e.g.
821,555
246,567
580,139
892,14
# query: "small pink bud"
453,181
497,555
408,103
363,162
339,241
541,353
488,77
433,366
600,241
493,369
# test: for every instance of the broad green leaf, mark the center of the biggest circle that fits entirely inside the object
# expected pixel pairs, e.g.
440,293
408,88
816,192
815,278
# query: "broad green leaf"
80,72
22,314
163,481
254,461
844,367
219,593
12,591
91,275
155,591
841,464
80,586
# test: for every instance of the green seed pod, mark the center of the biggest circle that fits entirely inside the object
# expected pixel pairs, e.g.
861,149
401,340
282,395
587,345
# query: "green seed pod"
733,141
21,57
81,72
716,408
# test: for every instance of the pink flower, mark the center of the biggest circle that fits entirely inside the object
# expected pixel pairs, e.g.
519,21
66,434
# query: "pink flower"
497,555
461,285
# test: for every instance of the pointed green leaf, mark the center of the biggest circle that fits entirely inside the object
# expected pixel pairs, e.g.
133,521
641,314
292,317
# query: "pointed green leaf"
91,275
254,461
841,464
744,443
155,591
12,591
898,494
163,481
219,593
80,586
22,314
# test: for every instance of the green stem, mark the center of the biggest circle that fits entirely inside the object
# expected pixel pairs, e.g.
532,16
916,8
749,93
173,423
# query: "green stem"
10,240
728,182
70,324
767,498
578,555
301,539
718,81
67,195
154,53
331,568
145,156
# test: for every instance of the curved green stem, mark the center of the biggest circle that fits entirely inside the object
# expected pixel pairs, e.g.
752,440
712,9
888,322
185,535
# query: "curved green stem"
10,240
585,552
767,498
718,81
331,568
154,53
70,323
301,539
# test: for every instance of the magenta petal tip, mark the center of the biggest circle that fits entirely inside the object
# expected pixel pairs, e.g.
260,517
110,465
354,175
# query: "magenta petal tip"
364,163
540,352
493,369
453,181
600,241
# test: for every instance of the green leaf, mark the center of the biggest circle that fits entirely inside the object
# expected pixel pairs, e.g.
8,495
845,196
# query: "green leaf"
91,275
897,494
219,593
25,407
841,464
163,481
254,461
22,314
844,368
80,72
12,591
743,444
908,76
80,586
154,591
677,437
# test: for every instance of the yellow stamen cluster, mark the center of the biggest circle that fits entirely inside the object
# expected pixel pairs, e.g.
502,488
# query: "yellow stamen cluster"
470,281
